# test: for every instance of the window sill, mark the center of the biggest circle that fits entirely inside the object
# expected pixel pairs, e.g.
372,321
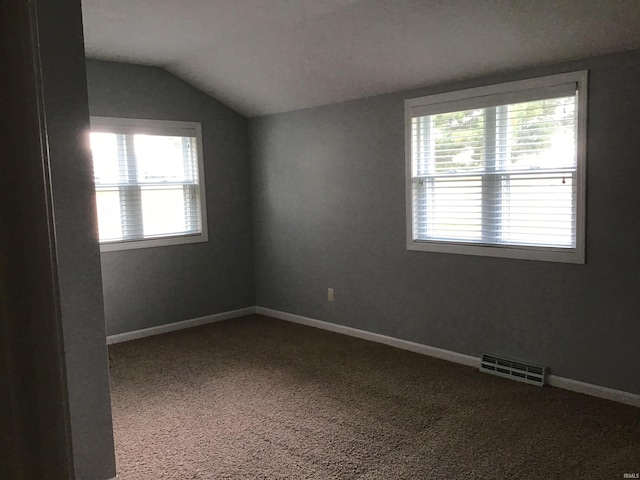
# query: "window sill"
544,254
153,242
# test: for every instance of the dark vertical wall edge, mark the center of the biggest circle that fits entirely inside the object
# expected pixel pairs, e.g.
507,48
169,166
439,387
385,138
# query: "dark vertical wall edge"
77,252
34,420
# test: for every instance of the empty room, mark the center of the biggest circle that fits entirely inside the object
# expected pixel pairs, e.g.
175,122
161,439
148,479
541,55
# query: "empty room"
331,239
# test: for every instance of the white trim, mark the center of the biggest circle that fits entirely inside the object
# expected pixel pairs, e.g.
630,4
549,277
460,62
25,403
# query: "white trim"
154,242
489,95
542,254
526,85
581,207
553,380
620,396
130,126
374,337
171,327
144,126
594,390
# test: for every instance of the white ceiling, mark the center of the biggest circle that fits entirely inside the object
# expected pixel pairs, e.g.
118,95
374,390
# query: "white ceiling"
269,56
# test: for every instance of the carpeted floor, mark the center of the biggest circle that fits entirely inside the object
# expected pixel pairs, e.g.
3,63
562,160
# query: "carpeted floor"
258,398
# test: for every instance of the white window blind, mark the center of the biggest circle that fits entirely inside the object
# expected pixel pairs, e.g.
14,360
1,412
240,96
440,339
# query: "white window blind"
500,170
148,182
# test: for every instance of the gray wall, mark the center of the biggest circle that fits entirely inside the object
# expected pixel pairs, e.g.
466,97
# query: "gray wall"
329,211
153,286
76,245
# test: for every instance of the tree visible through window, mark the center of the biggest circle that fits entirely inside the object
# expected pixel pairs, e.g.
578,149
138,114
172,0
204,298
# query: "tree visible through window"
497,174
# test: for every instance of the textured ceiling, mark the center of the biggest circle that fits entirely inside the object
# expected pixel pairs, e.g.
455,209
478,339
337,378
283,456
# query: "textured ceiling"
269,56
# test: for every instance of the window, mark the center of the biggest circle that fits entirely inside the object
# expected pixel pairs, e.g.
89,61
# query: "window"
500,170
149,182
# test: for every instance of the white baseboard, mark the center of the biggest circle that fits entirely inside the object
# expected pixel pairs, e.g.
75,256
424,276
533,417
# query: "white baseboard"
553,380
170,327
374,337
594,390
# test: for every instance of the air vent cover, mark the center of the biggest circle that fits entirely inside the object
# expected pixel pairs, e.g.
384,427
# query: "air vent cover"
523,372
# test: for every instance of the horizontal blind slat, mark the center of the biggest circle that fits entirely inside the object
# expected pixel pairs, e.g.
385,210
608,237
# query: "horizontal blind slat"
147,182
518,185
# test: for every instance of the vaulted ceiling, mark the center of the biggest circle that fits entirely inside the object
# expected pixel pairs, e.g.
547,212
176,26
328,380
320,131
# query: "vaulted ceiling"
269,56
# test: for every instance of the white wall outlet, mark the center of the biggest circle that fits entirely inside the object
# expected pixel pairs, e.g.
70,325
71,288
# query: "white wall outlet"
330,294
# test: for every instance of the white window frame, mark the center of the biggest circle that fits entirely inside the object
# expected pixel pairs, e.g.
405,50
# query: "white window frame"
506,93
167,128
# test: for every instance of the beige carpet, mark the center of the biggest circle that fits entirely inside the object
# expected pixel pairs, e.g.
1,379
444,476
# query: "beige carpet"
258,398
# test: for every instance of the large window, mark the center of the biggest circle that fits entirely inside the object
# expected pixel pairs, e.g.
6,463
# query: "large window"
499,170
149,182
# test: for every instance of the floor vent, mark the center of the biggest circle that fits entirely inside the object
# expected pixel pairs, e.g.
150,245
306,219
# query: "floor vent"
523,372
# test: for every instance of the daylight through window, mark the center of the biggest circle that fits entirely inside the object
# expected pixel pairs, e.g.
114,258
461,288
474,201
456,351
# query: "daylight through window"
499,170
148,181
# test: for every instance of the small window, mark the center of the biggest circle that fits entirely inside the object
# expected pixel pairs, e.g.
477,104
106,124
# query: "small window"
149,182
500,170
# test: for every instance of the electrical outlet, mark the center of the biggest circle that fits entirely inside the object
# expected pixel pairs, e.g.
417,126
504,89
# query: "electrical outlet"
330,294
